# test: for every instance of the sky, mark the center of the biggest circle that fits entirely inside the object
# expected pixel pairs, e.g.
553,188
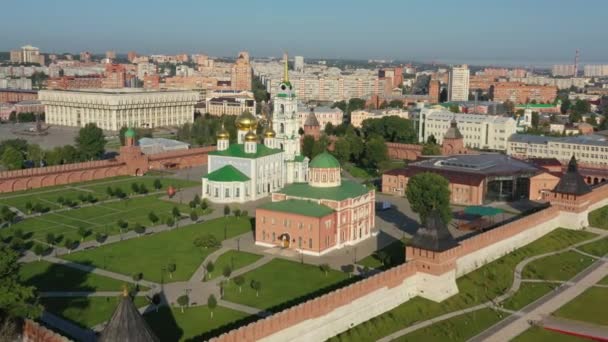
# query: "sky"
509,32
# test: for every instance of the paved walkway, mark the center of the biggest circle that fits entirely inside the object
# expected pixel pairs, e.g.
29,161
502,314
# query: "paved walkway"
243,308
576,327
517,280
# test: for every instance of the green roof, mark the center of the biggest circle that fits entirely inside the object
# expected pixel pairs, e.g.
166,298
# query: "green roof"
347,189
130,133
238,150
537,105
299,207
285,95
299,158
324,161
227,173
482,211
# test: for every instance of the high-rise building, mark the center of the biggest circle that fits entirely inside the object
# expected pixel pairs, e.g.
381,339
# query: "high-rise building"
241,72
131,55
458,83
518,92
85,56
27,54
111,54
114,76
434,91
598,70
298,63
145,69
563,69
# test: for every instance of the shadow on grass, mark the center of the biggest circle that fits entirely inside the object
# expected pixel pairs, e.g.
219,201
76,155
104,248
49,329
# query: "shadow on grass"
162,322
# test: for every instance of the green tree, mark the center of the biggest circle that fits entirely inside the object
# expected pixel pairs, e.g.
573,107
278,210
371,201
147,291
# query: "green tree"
169,221
69,245
428,191
90,142
375,152
342,150
12,159
183,300
152,217
157,184
239,281
16,300
226,210
454,108
83,232
171,267
565,105
431,150
257,286
535,120
209,267
324,268
100,237
308,143
35,154
211,304
227,271
175,212
39,251
396,104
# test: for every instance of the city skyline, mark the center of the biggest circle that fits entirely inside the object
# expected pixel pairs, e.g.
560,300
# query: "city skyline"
516,33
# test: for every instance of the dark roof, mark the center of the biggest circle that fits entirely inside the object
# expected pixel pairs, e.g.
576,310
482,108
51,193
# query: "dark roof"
572,182
127,324
434,235
311,119
453,132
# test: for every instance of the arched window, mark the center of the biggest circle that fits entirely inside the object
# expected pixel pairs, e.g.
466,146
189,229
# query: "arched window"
282,110
281,128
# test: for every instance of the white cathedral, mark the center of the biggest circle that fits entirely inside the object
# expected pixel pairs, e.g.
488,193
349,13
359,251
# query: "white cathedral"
249,170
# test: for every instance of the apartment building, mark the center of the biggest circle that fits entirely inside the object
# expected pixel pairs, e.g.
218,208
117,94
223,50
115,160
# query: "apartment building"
458,83
591,150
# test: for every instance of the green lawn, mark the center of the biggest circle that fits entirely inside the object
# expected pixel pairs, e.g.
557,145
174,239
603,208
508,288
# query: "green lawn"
599,218
46,276
86,311
395,250
195,323
479,286
233,259
282,281
358,172
590,306
604,281
150,254
528,293
562,266
538,334
101,217
598,248
391,165
459,328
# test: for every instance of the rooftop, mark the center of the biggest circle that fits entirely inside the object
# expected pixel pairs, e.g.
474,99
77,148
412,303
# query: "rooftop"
227,173
299,207
121,91
238,151
590,139
348,189
324,161
572,182
126,324
433,235
445,115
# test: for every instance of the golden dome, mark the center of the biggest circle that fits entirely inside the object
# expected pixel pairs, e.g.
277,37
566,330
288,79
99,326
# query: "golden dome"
251,137
223,134
269,132
246,121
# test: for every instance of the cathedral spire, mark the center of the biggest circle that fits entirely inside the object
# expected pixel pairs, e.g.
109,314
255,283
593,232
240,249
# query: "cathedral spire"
285,68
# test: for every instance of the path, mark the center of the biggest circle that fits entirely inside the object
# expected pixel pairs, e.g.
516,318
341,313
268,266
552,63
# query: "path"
243,308
64,294
517,280
577,327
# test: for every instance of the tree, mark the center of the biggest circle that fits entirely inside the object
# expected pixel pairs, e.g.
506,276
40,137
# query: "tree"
39,250
431,140
122,224
137,276
443,95
69,245
183,300
171,267
204,204
454,108
427,192
431,150
211,304
16,300
157,184
236,212
135,187
329,128
227,271
226,210
152,217
565,106
170,222
396,104
90,142
35,154
175,212
257,286
110,191
350,268
83,232
28,207
509,106
375,152
324,268
207,241
12,159
50,239
308,143
210,267
342,150
139,229
8,215
535,120
239,281
193,216
100,237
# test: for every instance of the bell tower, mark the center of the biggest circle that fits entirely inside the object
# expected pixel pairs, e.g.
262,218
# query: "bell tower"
285,117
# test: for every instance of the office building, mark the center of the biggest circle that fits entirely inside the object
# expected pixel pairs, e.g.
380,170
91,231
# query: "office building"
298,63
27,54
518,92
563,70
590,150
599,70
458,83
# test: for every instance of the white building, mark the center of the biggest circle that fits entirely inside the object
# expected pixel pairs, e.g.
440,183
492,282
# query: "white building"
112,109
358,116
324,114
563,70
598,70
488,132
145,69
298,63
249,170
591,150
458,83
160,145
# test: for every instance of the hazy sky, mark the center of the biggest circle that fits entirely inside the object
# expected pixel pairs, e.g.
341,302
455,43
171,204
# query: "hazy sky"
474,31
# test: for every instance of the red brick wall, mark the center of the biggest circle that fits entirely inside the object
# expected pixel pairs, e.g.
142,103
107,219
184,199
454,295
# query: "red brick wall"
8,95
34,332
404,151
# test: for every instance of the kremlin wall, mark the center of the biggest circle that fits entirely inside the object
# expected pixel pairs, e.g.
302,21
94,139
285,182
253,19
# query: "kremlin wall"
428,274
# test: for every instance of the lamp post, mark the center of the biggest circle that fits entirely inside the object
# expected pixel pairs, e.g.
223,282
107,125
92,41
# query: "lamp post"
238,244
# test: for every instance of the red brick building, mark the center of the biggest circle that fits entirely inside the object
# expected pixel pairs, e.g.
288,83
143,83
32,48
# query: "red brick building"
114,76
314,218
434,91
17,95
75,82
518,92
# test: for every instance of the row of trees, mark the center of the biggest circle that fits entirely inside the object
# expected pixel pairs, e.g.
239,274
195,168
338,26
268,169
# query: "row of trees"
90,145
25,117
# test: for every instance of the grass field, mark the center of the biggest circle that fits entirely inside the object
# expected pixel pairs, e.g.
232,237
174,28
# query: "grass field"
590,306
459,328
479,286
281,281
538,334
233,259
395,251
562,266
598,248
48,196
150,254
604,281
195,323
86,311
53,277
599,218
101,217
528,293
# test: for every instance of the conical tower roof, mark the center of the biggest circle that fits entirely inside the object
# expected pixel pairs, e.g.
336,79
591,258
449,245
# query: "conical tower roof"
311,119
127,324
434,235
572,182
453,132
